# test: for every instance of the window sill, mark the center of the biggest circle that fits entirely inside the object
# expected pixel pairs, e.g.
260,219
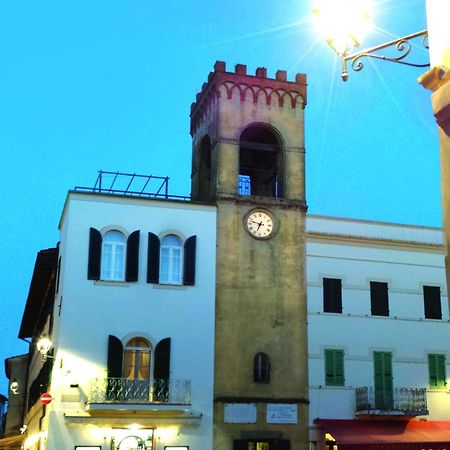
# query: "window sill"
111,283
180,287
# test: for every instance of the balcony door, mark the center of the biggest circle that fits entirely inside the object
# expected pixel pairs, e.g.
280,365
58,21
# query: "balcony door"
136,369
383,380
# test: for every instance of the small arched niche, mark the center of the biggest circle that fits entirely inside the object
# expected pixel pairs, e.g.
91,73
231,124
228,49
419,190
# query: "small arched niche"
260,162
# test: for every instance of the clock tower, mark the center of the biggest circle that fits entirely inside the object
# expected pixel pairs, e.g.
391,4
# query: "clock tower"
248,159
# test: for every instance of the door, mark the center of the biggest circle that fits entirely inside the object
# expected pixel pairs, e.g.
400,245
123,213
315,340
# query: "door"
383,380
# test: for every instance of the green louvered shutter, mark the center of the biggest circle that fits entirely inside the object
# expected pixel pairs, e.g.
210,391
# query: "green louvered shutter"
383,380
334,368
436,370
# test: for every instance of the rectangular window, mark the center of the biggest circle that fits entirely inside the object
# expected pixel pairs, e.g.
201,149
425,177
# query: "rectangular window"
379,299
334,367
383,380
432,302
436,371
332,295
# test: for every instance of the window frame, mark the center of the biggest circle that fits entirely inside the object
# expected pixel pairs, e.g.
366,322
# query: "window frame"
332,295
379,298
170,271
137,351
112,265
432,302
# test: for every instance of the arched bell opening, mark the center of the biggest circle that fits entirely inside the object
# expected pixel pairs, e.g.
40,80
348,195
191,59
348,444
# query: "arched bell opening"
260,162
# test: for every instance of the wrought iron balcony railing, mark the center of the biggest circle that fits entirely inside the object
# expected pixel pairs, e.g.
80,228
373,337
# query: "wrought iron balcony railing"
404,401
123,390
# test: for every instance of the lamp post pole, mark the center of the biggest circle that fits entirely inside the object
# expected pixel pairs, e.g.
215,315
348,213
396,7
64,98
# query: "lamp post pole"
437,79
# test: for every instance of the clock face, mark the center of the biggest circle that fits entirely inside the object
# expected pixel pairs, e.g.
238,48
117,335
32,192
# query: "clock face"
260,224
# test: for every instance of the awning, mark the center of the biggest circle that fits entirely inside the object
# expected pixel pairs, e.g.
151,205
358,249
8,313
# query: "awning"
387,434
12,442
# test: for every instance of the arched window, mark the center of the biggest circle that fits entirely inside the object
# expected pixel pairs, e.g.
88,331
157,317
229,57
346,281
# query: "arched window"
261,368
170,260
136,359
260,162
113,256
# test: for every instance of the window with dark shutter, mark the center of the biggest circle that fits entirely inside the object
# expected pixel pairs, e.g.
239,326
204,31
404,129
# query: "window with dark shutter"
153,258
261,368
432,302
334,368
189,261
436,371
161,371
95,250
379,299
132,265
332,295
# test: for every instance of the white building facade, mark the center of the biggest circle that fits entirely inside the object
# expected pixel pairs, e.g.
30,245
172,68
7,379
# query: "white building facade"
132,328
379,333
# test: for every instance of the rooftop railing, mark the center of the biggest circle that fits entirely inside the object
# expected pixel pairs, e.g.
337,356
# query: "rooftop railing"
131,184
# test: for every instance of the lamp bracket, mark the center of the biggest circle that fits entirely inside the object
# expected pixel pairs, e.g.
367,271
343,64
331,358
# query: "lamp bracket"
403,45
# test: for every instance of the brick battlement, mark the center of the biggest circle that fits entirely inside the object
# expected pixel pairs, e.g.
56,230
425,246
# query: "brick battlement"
276,91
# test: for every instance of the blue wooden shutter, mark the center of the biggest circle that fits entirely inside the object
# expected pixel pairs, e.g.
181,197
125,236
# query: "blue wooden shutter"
153,258
132,267
95,252
189,261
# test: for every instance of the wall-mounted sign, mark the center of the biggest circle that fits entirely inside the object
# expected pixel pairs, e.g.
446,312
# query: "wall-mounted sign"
87,447
176,448
240,413
281,413
46,398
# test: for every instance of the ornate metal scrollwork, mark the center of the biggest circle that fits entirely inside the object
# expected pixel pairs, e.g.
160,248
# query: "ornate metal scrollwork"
402,45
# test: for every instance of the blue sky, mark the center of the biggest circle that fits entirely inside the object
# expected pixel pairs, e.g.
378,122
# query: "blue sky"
108,85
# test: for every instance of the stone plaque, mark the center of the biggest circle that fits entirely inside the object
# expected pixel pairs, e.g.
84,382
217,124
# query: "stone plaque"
240,413
281,413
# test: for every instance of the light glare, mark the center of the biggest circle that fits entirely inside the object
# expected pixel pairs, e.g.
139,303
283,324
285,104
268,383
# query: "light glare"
343,23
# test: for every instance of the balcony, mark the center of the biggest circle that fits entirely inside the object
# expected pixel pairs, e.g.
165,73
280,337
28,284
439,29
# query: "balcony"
118,402
123,390
396,402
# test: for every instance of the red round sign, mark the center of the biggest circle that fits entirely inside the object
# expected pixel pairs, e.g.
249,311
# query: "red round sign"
46,399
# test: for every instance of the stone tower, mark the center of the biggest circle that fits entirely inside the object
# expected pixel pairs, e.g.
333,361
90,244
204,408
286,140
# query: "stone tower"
248,159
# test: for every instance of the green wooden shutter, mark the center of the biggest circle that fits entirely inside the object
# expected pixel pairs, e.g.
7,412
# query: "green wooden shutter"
153,258
132,266
95,253
436,370
334,368
383,379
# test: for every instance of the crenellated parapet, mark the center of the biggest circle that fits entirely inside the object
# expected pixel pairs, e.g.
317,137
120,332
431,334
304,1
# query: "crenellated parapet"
274,92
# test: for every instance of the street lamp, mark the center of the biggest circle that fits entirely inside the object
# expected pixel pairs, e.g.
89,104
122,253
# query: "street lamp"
343,23
43,345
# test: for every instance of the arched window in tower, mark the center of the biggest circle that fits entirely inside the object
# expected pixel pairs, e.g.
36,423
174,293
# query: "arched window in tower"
170,260
261,368
204,169
260,162
113,256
